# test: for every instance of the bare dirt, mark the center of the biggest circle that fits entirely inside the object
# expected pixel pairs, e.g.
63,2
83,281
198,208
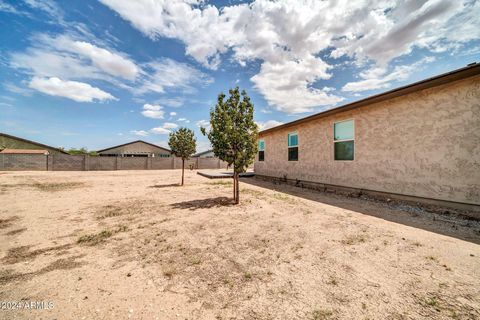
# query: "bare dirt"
135,245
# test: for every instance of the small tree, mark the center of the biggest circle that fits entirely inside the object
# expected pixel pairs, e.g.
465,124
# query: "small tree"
233,133
183,145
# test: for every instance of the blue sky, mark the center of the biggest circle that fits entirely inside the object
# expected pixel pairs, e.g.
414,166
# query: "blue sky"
100,73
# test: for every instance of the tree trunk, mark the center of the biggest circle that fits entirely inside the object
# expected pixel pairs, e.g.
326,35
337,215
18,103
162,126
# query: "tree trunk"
234,191
237,189
183,169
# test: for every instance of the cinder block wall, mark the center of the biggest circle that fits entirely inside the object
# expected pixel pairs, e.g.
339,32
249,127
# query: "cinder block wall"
102,163
161,163
23,162
424,144
61,162
65,162
208,163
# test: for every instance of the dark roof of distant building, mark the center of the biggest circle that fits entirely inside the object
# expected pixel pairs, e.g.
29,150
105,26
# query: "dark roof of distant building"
32,142
132,142
470,70
202,153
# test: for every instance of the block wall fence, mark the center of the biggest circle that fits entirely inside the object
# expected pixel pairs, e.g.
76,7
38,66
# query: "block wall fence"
61,162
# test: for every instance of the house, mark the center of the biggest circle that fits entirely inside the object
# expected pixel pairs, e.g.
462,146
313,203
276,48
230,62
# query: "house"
204,154
15,145
420,142
137,148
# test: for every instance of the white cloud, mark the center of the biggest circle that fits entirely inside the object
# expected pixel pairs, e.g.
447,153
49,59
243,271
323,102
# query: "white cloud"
48,6
377,78
153,111
160,130
78,91
268,124
287,85
170,125
172,114
288,37
203,145
5,7
204,124
68,58
16,89
141,133
183,120
169,74
110,62
172,102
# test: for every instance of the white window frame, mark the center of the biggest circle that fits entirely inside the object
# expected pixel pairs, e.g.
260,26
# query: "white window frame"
261,140
288,140
295,146
343,140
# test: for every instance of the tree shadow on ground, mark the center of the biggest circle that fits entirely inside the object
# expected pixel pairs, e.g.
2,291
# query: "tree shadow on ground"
204,203
398,212
159,186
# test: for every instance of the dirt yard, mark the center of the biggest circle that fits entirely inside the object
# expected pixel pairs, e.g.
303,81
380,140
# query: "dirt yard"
135,245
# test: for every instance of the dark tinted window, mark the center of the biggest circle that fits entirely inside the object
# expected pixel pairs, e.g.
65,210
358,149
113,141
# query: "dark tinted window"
261,155
293,154
344,150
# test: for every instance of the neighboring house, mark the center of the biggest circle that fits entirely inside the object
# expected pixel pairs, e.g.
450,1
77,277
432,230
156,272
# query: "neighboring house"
137,148
24,146
419,142
204,154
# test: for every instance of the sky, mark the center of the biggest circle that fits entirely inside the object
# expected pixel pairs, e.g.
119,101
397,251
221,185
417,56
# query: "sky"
100,73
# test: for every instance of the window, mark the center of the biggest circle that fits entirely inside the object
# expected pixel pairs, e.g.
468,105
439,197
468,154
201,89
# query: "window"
293,147
344,140
261,150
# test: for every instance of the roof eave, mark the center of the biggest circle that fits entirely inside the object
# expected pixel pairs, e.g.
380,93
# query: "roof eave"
458,74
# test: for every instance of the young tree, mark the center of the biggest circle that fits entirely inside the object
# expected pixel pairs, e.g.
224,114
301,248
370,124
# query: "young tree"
183,145
233,133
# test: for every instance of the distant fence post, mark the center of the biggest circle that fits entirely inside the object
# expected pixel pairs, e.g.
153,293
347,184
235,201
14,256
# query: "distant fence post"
49,162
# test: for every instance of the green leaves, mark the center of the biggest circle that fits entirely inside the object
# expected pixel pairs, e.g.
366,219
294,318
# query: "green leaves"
182,142
233,132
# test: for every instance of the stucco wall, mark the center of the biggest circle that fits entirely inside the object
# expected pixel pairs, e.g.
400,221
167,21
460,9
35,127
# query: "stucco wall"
424,144
136,147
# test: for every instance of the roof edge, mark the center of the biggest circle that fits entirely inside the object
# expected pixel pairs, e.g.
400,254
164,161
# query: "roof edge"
125,144
32,142
203,152
470,70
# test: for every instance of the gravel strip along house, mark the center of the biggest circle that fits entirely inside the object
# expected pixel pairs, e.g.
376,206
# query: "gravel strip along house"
420,142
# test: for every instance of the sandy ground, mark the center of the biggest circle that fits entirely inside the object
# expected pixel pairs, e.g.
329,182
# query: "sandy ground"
133,244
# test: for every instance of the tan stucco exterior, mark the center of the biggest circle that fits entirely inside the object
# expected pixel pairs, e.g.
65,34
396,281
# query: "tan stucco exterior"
423,144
